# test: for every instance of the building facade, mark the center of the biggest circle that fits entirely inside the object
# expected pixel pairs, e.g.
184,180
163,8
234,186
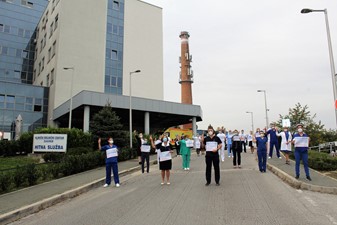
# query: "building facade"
18,21
85,46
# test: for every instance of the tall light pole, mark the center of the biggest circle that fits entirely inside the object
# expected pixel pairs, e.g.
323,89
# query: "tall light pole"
265,105
71,94
251,113
332,63
130,106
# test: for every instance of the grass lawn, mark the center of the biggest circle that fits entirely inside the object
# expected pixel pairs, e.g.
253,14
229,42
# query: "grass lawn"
12,162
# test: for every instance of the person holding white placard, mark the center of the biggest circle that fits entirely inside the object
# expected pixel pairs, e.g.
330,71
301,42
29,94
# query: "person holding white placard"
212,145
222,137
301,143
110,161
285,143
196,143
237,149
145,154
165,159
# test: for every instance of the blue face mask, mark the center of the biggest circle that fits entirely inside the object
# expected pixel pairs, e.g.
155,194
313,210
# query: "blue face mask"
164,139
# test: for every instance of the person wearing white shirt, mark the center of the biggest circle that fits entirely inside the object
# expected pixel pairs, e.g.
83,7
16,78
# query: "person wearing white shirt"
243,139
222,137
285,143
250,139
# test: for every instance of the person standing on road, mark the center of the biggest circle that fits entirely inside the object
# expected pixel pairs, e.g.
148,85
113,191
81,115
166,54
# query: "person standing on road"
111,161
176,141
243,139
250,139
301,143
212,144
139,145
165,159
262,143
222,137
273,142
285,143
185,153
145,154
237,149
196,143
229,143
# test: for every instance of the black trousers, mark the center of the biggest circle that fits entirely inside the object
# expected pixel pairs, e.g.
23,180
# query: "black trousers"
146,156
236,157
244,146
212,159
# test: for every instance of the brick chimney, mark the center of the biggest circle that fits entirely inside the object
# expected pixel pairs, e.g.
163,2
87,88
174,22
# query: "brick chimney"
186,74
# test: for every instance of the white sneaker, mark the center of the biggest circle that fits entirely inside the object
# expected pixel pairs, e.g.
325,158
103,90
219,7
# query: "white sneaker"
105,185
269,157
222,160
280,157
117,185
187,168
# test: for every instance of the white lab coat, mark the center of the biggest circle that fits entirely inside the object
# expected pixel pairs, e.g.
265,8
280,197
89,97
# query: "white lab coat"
284,145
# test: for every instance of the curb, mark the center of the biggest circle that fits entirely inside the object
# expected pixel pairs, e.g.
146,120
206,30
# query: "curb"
300,184
48,202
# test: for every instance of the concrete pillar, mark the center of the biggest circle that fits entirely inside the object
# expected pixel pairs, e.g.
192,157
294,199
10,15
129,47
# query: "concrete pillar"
147,123
194,125
86,118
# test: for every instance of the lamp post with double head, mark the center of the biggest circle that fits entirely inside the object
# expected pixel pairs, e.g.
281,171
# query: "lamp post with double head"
71,94
265,105
130,105
332,63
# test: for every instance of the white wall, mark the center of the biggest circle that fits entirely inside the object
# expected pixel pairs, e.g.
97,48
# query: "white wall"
143,49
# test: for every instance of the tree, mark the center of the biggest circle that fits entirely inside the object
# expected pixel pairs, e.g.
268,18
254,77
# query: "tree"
301,114
106,124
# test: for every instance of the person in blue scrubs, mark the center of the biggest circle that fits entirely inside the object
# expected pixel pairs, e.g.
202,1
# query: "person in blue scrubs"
301,143
273,142
111,161
261,142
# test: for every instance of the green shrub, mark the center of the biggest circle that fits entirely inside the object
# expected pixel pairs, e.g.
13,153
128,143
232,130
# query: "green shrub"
44,171
320,161
5,181
79,150
32,174
26,142
55,170
19,176
53,156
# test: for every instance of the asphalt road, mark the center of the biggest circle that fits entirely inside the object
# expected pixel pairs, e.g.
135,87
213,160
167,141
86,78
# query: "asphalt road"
245,196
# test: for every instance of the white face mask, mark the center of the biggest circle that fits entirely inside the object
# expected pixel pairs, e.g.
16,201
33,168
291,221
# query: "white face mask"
210,133
300,130
261,135
111,142
285,130
140,136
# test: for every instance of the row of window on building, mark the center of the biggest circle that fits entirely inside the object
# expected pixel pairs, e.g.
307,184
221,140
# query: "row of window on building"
21,103
51,54
53,27
19,53
16,31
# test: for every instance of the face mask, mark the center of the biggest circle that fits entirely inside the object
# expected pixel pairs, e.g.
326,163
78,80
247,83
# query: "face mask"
300,130
285,130
210,133
140,136
164,139
111,142
261,135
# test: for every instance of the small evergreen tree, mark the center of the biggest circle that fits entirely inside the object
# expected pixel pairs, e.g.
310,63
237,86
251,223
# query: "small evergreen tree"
106,124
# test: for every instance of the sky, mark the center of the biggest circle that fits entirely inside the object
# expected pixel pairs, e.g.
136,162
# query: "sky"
240,46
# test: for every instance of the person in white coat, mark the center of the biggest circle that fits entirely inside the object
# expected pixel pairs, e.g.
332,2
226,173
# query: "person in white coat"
222,137
285,143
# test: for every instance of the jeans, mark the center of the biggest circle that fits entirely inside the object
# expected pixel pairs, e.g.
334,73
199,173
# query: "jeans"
229,149
114,167
146,156
212,158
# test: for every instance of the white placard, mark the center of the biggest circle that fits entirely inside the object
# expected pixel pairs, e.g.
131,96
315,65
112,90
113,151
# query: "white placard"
301,141
145,148
189,143
197,144
211,145
50,143
111,152
286,123
164,156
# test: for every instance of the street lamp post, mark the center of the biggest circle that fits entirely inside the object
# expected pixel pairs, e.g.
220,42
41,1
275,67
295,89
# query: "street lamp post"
251,113
265,105
130,106
71,94
332,64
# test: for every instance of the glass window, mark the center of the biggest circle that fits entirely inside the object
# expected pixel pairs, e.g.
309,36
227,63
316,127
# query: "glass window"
119,82
19,107
109,28
17,74
28,107
20,99
52,77
115,29
56,21
2,98
51,29
53,49
27,33
1,27
3,50
107,80
29,100
7,29
49,54
23,75
37,108
115,5
42,64
41,44
47,80
114,81
20,32
10,99
38,101
44,40
114,54
39,68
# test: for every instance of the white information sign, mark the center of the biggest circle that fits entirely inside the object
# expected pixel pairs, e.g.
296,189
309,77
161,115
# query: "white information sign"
164,156
286,123
211,145
112,152
50,143
145,148
189,143
197,144
301,141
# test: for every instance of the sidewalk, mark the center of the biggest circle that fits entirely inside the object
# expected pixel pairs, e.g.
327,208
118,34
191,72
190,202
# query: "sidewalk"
319,183
21,203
